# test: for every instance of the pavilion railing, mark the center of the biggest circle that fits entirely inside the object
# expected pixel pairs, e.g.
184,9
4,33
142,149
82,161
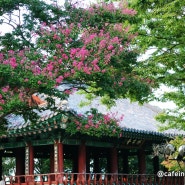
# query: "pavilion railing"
93,179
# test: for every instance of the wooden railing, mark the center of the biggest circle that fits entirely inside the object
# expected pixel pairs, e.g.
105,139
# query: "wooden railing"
92,179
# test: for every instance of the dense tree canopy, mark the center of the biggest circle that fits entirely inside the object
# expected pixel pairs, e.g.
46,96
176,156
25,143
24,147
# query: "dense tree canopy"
162,30
89,48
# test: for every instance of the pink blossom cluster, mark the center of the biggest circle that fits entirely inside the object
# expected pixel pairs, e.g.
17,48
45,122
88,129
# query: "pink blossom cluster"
120,7
96,124
12,62
5,94
1,101
107,119
58,58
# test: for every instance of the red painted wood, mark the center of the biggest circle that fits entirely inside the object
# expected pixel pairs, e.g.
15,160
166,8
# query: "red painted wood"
31,159
60,157
141,162
113,160
124,179
82,158
81,164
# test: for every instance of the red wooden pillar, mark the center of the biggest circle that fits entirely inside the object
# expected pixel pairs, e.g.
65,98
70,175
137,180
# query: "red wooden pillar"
113,160
141,161
81,164
31,159
60,157
141,165
82,158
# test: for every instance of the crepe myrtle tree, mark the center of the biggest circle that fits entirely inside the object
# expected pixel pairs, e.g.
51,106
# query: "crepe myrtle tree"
89,48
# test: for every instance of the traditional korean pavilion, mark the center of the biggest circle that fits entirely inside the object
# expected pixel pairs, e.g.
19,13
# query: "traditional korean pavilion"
48,139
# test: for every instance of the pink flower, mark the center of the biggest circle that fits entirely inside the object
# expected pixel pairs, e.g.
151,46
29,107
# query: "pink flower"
72,71
95,61
121,118
118,27
21,96
127,11
110,47
2,101
87,70
96,126
68,92
89,38
87,126
67,74
39,82
77,122
75,63
79,65
59,79
120,83
73,51
60,61
58,46
5,89
64,56
115,40
50,66
56,37
102,44
67,32
107,117
33,62
11,52
55,57
13,63
82,54
96,68
1,56
90,116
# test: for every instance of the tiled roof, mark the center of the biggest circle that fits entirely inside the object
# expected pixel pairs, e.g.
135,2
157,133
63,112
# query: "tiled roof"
138,120
135,116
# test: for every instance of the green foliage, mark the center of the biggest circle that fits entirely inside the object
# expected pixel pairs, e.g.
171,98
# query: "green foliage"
161,30
42,166
49,46
170,163
8,166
